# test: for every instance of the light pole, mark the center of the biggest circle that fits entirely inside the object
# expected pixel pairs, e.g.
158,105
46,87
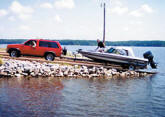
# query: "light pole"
104,24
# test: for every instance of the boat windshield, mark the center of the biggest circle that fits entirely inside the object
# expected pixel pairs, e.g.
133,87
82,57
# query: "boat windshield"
117,51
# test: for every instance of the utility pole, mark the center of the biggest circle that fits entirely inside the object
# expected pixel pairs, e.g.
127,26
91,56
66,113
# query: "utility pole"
104,25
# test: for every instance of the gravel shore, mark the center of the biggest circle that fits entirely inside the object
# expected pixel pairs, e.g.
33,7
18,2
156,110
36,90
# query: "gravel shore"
18,68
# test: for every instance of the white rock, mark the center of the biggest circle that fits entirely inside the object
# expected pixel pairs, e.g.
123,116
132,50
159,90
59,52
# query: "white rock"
17,75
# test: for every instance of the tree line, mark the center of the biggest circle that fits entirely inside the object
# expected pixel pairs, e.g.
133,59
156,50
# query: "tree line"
93,42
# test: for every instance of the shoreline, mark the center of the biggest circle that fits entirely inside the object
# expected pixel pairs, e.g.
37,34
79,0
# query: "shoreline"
20,68
82,42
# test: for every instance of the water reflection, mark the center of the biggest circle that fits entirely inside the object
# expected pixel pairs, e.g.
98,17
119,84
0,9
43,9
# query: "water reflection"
25,97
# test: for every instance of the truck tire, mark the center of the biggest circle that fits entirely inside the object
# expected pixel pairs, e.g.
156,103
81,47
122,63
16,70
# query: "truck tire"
14,53
49,56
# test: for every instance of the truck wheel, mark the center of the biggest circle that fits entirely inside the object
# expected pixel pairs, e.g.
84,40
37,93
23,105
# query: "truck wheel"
14,53
49,57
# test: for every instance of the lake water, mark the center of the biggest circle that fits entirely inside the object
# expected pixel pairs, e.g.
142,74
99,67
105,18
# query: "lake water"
50,97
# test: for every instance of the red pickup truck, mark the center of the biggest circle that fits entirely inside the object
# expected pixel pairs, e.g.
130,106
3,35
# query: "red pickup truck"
36,47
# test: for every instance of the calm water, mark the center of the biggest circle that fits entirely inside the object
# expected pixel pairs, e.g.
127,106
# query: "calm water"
52,97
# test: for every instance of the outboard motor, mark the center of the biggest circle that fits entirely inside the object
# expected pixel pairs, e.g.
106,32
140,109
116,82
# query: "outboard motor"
64,51
148,55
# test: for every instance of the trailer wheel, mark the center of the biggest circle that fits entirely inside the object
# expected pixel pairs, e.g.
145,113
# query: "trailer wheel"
131,67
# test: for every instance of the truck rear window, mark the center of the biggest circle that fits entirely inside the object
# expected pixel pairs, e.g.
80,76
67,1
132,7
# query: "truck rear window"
48,44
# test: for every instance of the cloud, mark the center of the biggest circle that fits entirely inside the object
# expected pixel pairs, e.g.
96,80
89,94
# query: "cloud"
136,22
126,28
61,4
119,10
46,5
24,27
146,8
118,3
23,12
24,16
11,18
140,12
136,13
58,18
3,12
17,8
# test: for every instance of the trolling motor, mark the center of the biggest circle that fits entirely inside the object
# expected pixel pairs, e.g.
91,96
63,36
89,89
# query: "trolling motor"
148,55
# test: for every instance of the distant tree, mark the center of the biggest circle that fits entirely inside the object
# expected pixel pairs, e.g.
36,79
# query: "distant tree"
93,42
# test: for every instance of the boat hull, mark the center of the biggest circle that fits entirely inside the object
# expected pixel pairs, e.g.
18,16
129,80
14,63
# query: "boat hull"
117,59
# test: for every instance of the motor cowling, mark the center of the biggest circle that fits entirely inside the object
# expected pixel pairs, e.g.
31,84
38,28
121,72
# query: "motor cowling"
148,55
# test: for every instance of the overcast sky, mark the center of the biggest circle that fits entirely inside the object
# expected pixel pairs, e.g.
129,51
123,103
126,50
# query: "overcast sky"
83,19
